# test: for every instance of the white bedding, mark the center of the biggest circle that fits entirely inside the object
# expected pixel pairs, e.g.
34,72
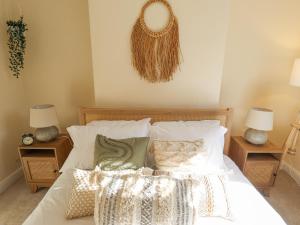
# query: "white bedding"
248,206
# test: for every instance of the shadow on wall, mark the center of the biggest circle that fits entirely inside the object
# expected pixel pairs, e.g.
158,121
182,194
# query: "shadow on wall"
12,130
68,114
4,50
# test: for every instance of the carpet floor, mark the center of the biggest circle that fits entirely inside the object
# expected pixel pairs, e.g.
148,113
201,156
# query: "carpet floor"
18,202
285,198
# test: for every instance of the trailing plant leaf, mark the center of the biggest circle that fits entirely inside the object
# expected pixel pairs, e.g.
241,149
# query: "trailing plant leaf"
17,45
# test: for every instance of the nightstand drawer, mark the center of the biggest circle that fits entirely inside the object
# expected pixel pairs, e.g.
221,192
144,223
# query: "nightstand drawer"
261,172
41,169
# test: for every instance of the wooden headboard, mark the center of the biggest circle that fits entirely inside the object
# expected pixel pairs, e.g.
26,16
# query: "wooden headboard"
87,115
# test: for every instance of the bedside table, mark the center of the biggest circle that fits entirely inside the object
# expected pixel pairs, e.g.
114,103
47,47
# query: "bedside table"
259,163
41,162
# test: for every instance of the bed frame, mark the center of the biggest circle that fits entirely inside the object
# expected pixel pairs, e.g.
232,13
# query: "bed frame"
87,115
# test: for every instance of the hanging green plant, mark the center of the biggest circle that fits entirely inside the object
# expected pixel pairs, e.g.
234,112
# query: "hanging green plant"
16,44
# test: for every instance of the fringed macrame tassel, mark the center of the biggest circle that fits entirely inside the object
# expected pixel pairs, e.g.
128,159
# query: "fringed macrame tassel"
155,55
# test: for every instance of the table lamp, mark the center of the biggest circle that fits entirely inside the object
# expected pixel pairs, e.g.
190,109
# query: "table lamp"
291,141
295,76
44,119
259,121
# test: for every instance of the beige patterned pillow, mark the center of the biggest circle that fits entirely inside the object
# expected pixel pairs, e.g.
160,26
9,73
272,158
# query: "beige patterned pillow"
172,155
209,193
212,197
82,199
84,187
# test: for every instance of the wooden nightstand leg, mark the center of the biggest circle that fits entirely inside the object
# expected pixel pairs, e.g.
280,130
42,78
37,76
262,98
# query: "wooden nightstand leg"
33,188
264,191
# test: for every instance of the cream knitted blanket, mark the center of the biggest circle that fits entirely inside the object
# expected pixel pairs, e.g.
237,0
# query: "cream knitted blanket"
158,200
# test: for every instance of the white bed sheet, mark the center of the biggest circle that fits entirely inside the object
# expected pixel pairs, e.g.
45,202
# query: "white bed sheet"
248,206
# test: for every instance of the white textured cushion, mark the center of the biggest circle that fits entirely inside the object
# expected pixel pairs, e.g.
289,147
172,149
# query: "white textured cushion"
210,132
82,155
213,198
179,155
210,193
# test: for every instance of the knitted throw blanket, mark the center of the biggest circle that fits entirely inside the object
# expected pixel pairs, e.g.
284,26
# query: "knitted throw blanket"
156,200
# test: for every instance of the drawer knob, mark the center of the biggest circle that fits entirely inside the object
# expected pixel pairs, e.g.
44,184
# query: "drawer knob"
274,174
55,171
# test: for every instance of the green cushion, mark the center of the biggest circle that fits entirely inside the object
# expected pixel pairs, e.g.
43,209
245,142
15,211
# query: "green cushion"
112,154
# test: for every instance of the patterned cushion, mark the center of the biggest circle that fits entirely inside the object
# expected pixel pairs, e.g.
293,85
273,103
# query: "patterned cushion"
159,200
178,155
212,194
85,184
212,197
82,199
121,154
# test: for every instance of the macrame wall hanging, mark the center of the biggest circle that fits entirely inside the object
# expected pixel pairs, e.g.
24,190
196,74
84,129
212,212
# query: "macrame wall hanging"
155,55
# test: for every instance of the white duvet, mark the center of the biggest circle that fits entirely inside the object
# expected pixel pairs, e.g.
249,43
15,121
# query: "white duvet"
248,206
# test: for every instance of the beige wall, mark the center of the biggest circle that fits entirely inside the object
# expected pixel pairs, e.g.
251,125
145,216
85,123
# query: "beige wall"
12,105
203,26
58,68
58,62
263,40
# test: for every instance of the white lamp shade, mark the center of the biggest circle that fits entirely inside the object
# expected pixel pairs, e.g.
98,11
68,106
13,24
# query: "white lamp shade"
295,76
43,116
260,119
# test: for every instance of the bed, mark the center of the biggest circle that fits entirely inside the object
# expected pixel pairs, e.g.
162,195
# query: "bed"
248,206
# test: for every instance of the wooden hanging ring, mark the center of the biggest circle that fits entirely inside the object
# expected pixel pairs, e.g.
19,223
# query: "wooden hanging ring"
157,34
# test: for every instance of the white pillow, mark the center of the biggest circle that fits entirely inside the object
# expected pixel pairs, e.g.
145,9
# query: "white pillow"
82,155
211,132
71,162
186,130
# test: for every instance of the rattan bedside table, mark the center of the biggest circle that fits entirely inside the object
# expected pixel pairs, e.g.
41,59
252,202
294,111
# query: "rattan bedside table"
259,163
41,162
